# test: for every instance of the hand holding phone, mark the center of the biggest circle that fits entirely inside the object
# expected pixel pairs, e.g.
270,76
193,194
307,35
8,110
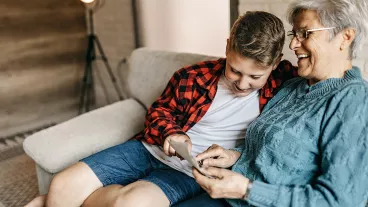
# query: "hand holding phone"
182,149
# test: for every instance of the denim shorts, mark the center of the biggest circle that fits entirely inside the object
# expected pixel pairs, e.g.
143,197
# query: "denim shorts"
203,200
131,161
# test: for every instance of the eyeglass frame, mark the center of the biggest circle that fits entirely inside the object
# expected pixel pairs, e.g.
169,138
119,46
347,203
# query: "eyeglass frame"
306,32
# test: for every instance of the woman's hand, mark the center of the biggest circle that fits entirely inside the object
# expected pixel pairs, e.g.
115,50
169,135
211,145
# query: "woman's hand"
177,138
217,156
223,183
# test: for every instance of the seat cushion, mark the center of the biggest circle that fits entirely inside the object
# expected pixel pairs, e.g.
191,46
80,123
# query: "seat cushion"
57,147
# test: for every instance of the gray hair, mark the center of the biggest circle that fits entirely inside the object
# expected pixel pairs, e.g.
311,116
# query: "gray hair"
340,14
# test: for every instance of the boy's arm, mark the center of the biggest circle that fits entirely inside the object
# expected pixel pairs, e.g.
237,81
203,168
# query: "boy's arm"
163,116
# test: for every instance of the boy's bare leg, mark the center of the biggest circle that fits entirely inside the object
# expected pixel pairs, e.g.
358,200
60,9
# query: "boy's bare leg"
37,202
137,194
70,187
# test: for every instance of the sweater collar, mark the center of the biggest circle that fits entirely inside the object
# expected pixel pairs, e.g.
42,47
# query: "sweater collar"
320,88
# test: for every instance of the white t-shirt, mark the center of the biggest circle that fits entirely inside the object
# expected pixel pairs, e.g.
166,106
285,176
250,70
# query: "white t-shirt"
224,124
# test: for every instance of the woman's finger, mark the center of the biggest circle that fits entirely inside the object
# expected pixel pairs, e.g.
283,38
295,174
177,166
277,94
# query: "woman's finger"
201,179
213,162
213,146
216,172
216,152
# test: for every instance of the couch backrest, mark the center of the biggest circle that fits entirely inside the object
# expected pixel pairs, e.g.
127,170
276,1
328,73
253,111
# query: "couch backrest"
150,70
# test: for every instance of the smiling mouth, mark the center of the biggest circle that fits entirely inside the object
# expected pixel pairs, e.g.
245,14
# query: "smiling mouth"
301,56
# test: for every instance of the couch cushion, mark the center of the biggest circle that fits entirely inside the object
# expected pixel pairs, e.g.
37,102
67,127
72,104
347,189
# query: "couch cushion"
150,70
58,147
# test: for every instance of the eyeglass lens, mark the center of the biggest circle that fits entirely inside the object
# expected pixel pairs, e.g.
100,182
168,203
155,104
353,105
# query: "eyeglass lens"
300,34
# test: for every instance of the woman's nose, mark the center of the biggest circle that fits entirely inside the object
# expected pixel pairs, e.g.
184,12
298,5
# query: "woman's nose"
294,43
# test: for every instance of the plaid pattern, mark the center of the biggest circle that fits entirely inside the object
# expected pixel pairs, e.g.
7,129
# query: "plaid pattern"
189,94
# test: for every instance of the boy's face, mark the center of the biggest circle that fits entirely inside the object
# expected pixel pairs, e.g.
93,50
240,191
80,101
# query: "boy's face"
243,75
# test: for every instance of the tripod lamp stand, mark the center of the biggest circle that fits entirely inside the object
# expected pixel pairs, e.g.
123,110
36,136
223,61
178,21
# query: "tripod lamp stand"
94,44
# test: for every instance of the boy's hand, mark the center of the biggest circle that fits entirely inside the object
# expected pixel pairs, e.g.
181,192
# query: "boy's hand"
217,156
177,138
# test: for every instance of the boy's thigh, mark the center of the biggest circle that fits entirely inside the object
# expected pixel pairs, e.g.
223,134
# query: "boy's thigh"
203,200
131,161
122,164
176,185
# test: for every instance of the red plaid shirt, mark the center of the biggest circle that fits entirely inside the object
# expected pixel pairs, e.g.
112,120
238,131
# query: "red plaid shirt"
189,95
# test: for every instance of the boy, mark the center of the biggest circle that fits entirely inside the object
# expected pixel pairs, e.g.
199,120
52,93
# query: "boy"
206,103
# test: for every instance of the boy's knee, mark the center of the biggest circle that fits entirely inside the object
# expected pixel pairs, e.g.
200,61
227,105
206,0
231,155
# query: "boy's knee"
63,179
130,198
124,200
57,184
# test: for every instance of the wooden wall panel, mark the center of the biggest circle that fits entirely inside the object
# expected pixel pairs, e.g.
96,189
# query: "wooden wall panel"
114,25
42,46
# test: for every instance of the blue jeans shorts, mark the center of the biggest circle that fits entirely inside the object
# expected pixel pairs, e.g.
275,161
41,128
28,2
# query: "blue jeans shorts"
131,161
203,200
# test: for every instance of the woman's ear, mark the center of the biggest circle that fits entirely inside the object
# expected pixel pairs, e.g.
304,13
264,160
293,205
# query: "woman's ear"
348,36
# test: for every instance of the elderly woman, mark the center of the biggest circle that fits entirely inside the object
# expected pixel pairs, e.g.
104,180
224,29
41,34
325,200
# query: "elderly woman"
309,147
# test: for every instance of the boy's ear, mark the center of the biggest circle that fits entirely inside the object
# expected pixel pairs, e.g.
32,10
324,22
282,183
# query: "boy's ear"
277,61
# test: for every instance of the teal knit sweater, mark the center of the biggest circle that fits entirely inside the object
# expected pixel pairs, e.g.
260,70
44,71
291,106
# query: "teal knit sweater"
309,147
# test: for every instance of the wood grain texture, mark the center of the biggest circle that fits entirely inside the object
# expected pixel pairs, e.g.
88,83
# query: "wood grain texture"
43,45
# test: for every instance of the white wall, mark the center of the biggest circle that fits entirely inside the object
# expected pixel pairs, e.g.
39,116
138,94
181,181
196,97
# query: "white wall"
195,26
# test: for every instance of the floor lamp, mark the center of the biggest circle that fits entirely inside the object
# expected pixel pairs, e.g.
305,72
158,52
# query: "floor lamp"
94,44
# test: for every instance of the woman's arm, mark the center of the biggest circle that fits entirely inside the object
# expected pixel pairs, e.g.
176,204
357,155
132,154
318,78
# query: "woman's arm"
343,176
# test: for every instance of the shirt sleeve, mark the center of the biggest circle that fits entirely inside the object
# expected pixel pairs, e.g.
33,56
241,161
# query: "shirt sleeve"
284,72
343,177
164,115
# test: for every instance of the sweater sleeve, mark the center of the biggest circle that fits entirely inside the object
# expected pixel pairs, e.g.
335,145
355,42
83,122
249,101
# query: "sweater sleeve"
343,177
238,149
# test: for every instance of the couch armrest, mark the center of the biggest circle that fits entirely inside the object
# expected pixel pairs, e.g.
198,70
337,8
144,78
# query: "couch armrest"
60,146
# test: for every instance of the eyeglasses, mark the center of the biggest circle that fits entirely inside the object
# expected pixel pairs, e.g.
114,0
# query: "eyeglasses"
302,34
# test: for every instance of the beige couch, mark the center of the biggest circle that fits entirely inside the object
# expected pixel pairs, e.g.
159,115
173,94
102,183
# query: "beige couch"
58,147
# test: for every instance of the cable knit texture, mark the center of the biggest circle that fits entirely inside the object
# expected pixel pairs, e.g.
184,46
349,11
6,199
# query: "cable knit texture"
309,147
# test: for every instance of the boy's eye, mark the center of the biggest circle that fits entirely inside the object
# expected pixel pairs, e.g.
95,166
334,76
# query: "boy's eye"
255,77
235,71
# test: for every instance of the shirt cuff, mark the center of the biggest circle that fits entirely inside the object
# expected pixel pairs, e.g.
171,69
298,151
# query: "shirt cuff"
167,133
262,194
